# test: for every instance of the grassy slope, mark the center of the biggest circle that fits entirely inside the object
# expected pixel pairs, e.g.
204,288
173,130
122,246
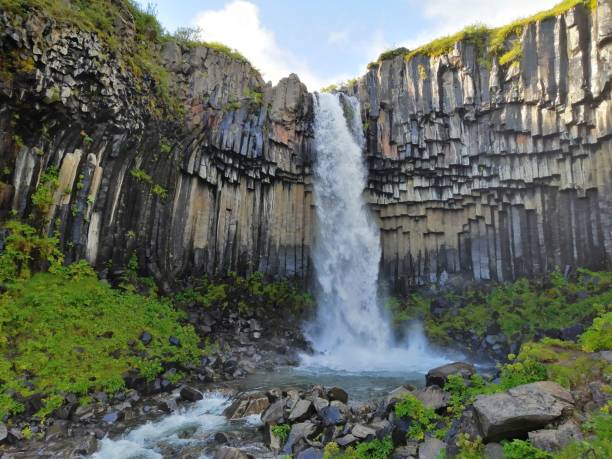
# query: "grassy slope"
490,42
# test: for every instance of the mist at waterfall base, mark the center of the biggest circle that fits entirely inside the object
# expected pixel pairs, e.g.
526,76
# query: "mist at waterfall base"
351,332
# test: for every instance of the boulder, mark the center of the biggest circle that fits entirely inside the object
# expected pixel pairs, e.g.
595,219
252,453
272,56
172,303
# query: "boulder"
433,397
363,432
301,411
553,440
320,403
300,431
274,414
521,409
332,415
190,394
439,375
431,448
346,440
337,393
405,452
246,406
468,425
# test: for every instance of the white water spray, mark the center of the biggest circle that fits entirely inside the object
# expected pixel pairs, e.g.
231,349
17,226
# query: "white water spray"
351,332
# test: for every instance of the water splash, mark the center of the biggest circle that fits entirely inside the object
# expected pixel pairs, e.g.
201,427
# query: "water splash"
350,332
204,416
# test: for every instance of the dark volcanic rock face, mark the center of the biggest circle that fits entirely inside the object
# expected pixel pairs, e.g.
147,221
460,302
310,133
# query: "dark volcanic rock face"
476,169
223,187
495,171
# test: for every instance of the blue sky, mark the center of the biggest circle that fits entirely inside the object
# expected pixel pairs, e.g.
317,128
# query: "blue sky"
330,41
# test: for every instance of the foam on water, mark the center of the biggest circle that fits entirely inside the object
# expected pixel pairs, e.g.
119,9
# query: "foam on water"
141,443
351,332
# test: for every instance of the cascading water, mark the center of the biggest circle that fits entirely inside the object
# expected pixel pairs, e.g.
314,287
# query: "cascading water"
351,332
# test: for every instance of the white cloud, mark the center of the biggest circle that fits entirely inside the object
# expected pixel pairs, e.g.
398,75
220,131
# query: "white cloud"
450,16
238,26
338,37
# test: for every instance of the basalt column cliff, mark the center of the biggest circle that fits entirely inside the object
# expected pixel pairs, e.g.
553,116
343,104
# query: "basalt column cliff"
223,186
487,166
495,171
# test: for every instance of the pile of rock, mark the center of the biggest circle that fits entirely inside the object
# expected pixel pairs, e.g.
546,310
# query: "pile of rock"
301,423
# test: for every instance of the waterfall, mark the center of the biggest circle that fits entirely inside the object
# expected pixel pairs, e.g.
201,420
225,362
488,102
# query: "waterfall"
350,332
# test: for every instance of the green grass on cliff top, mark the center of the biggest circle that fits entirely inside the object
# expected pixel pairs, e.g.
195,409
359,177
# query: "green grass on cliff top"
480,35
108,20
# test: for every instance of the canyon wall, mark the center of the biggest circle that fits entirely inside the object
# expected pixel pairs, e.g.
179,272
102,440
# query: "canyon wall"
494,171
476,169
224,186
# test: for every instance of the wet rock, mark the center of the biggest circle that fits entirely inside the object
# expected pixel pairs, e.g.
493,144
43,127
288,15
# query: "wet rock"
86,446
190,394
431,448
521,409
221,438
337,393
112,417
168,404
174,341
438,376
57,430
553,440
246,406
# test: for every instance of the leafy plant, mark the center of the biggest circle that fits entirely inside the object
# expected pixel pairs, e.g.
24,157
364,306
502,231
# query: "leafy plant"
160,191
141,175
375,449
423,418
42,198
521,449
281,431
598,337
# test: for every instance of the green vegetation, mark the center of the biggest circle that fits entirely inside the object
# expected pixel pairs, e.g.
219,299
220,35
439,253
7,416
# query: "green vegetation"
253,293
330,88
141,175
520,308
521,449
108,19
255,96
165,146
64,331
375,449
599,336
423,419
281,431
159,191
488,42
42,198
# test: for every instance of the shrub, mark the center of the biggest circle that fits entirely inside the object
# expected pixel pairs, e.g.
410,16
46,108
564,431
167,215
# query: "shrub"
521,449
423,418
598,337
141,175
26,250
522,372
281,431
42,198
375,449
